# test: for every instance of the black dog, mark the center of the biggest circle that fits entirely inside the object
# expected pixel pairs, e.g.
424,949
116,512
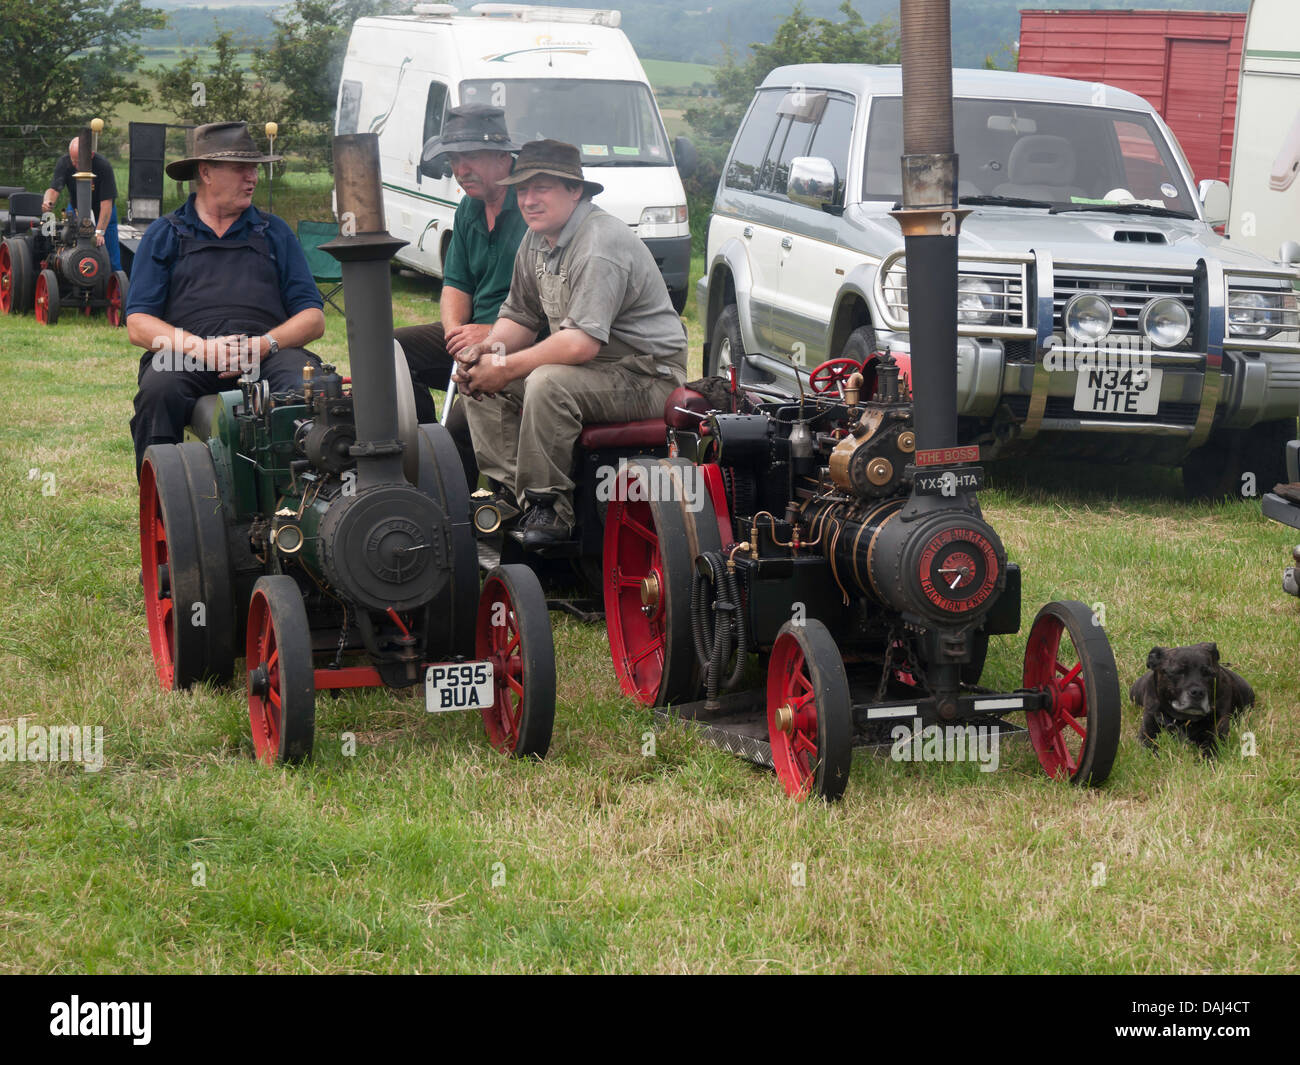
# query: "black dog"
1186,691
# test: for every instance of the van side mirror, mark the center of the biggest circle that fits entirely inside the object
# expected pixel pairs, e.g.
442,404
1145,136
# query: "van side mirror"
811,181
1215,201
685,155
1289,253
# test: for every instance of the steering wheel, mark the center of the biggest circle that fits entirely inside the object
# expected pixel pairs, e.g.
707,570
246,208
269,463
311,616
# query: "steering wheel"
831,375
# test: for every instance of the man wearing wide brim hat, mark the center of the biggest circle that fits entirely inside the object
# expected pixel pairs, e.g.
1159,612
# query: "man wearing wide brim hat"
218,290
485,234
615,352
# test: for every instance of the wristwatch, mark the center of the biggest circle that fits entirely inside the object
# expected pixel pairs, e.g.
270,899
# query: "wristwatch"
272,345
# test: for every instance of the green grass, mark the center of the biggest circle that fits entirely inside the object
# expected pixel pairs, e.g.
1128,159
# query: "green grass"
385,861
667,74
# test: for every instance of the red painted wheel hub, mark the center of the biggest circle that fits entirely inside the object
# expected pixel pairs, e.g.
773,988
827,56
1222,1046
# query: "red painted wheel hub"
792,718
497,640
1059,732
264,695
155,560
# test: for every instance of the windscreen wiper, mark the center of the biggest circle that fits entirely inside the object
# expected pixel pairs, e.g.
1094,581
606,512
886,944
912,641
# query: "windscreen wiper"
1003,201
1125,208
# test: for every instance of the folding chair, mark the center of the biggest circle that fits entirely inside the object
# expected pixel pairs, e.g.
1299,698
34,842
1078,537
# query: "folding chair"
325,269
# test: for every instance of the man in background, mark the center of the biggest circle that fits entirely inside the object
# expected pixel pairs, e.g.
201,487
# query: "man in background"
103,197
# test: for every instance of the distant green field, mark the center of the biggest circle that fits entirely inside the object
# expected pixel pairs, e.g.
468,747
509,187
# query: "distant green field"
664,74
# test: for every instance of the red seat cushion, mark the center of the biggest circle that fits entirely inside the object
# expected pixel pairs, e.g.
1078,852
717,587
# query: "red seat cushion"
649,432
681,400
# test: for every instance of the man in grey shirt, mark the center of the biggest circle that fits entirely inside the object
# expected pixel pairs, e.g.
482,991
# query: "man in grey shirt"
616,350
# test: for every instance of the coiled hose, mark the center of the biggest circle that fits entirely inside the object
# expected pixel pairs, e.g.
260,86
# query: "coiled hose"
718,631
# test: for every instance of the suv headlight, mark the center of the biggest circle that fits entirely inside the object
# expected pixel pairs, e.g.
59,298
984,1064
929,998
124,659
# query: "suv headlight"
895,291
977,300
663,216
1088,317
1256,314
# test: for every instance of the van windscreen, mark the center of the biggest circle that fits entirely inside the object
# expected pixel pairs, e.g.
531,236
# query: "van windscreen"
613,123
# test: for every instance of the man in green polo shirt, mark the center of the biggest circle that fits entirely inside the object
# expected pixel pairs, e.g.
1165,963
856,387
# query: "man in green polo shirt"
486,232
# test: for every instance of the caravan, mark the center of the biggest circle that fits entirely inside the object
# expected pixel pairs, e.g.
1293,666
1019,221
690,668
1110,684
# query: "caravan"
1265,181
564,73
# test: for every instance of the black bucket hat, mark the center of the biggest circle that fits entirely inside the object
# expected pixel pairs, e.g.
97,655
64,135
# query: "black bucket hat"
219,142
551,157
467,128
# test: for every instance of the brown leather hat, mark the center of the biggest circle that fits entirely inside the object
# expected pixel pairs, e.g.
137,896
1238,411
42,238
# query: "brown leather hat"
220,142
551,157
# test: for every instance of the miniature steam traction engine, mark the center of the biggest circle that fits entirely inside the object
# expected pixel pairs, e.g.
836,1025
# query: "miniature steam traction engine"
839,536
47,265
322,525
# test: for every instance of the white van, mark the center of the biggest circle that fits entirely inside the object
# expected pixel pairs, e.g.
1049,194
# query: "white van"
1266,146
564,73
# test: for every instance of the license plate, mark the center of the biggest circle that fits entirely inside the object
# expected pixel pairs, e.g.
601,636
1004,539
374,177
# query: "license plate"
458,686
948,482
1129,391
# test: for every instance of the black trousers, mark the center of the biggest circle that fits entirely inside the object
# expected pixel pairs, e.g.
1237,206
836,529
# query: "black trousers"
431,366
166,397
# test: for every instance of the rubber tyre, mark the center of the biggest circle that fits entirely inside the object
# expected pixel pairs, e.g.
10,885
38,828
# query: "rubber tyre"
442,478
727,341
513,631
171,574
17,278
217,580
861,345
283,716
47,298
654,654
806,674
1215,470
1078,737
118,288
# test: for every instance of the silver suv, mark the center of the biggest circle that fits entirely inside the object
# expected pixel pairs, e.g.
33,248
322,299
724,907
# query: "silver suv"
1100,314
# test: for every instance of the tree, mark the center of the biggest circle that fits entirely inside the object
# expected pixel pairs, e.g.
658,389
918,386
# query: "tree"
65,62
311,38
222,93
801,38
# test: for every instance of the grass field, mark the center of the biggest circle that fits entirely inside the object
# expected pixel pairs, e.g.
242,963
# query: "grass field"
669,75
425,850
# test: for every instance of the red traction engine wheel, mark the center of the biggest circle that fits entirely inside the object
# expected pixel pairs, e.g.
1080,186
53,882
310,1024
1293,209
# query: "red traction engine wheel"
513,632
1077,736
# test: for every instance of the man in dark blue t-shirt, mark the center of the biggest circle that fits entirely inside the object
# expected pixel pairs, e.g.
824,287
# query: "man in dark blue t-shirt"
103,194
217,290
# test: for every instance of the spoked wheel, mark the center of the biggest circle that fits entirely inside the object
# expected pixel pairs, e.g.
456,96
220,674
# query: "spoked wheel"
513,632
809,713
281,682
833,374
172,578
47,298
1069,657
15,276
117,291
659,519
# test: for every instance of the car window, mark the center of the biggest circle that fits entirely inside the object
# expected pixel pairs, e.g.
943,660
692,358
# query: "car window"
831,138
433,109
349,106
751,142
791,140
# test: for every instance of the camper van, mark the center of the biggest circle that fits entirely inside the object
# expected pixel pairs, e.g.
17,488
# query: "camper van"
565,73
1265,182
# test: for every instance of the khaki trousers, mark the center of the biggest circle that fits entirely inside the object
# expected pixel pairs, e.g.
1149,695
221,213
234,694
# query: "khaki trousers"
524,436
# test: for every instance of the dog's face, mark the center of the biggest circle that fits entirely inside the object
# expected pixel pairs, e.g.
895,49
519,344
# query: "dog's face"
1185,678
